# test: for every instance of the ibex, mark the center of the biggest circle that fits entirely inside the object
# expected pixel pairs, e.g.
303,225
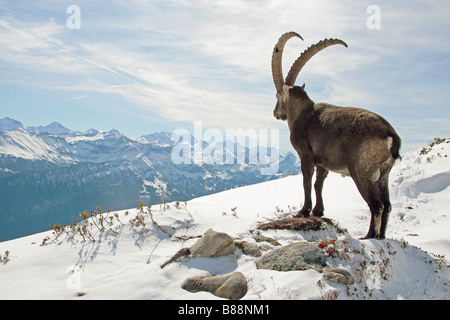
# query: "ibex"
349,141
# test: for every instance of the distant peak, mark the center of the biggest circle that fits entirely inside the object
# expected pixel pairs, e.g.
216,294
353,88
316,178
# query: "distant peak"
7,124
54,127
114,131
159,138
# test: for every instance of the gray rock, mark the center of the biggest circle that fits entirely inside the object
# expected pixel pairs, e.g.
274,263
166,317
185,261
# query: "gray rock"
261,238
213,244
249,249
231,286
295,256
338,275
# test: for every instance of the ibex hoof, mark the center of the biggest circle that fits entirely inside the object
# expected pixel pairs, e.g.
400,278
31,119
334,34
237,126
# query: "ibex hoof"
372,237
302,214
317,214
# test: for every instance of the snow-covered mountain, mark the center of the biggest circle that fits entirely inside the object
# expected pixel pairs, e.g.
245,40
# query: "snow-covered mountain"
10,124
124,261
47,171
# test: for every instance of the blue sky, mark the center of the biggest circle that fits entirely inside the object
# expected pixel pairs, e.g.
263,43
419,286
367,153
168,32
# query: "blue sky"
146,66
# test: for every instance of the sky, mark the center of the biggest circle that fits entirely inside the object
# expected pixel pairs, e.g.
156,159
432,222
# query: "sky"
148,66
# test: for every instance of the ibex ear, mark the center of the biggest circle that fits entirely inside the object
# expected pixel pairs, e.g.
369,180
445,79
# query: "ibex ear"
286,88
303,86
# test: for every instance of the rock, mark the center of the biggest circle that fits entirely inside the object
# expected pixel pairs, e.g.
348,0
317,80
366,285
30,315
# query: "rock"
338,275
249,249
272,241
295,256
213,244
231,286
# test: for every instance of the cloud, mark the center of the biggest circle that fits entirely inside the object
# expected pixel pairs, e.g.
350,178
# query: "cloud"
210,60
80,97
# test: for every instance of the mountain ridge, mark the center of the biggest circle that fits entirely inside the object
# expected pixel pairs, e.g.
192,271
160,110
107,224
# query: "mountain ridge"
64,170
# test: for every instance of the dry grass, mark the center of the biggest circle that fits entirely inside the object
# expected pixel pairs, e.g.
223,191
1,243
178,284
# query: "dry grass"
184,252
300,224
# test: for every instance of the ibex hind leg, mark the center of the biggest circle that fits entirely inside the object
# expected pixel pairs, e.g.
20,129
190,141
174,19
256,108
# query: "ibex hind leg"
383,185
376,218
371,193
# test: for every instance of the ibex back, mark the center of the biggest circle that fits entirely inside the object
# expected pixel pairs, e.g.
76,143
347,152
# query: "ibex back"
349,141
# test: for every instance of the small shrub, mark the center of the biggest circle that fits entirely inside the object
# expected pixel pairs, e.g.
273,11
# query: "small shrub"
91,225
435,141
86,224
138,221
323,244
44,241
5,258
329,295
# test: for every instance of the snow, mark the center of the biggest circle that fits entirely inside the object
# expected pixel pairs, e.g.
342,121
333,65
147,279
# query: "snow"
158,185
22,144
82,137
124,261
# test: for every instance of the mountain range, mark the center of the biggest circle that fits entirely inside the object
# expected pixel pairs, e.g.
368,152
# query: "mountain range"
49,171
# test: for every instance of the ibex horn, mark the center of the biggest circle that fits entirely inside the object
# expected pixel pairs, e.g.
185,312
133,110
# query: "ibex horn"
305,56
277,54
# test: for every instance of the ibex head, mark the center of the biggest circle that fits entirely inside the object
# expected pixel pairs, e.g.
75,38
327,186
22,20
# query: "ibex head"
283,86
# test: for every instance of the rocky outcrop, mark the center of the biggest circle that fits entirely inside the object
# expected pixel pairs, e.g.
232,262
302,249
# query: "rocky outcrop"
261,238
213,244
231,286
338,275
250,249
295,256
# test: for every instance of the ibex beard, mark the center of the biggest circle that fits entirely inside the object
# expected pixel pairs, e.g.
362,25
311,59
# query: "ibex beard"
350,141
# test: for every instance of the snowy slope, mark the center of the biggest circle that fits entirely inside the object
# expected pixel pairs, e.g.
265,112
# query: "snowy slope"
124,261
21,144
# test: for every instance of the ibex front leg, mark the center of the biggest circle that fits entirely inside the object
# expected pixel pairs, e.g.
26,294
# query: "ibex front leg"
321,174
307,172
